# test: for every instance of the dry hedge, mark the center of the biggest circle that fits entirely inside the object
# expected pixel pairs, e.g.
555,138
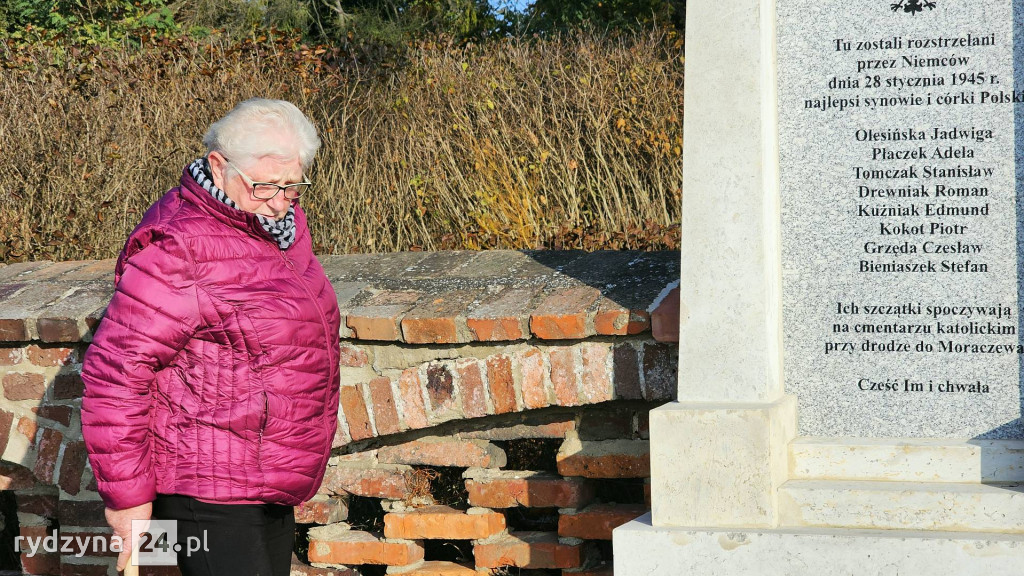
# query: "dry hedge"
571,142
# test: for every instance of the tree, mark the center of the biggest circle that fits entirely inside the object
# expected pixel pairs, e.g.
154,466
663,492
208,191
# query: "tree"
394,21
551,15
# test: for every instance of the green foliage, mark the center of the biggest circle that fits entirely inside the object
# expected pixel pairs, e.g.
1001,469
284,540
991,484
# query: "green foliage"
86,21
240,18
395,22
388,23
552,15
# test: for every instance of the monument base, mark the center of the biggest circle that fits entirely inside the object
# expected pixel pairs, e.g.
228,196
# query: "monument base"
641,548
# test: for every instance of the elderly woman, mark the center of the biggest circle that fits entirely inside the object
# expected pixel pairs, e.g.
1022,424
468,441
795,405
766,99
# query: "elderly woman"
211,387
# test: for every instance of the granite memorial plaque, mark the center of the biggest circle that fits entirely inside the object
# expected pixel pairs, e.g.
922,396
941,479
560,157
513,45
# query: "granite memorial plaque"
901,138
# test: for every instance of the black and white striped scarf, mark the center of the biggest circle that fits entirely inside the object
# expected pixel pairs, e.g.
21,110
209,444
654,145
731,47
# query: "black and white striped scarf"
282,231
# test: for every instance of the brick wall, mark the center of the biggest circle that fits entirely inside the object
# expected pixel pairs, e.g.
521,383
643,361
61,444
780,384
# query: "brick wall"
493,410
540,490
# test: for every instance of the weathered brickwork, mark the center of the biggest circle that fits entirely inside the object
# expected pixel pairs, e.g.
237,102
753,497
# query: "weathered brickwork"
474,385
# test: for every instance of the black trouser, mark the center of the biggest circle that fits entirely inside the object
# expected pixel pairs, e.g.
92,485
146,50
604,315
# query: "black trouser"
241,539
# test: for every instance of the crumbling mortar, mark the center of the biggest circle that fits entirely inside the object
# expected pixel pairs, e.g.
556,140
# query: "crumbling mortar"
364,389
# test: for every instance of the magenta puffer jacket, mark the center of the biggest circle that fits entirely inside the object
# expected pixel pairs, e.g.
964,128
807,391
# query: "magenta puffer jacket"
214,373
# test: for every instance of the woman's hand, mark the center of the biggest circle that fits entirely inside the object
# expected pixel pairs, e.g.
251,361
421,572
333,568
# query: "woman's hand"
121,522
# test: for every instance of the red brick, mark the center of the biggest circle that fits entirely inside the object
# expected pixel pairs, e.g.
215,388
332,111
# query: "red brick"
504,316
665,319
611,319
58,330
474,401
41,563
15,477
429,330
10,356
44,505
444,452
47,452
563,375
531,368
47,356
335,545
45,564
436,321
68,386
373,328
300,569
611,322
385,415
626,369
322,509
441,568
596,522
596,385
500,383
391,483
660,376
354,407
605,459
563,314
28,428
67,569
35,531
353,356
72,466
13,330
440,387
60,414
639,321
24,386
443,522
412,399
534,550
378,318
495,329
505,490
82,513
6,422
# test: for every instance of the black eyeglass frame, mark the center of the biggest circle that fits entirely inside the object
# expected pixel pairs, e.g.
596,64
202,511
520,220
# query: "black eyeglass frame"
305,184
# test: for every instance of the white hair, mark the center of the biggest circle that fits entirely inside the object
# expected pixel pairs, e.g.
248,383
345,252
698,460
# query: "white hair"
245,133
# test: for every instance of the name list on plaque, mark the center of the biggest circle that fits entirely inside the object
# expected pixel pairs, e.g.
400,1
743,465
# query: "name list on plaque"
899,216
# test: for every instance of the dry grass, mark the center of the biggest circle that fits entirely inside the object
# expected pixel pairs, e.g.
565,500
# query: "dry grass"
563,143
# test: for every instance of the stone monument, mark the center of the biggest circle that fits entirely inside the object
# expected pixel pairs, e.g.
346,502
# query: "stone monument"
851,377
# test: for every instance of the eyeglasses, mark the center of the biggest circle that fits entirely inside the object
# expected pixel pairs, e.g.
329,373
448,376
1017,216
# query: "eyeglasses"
267,190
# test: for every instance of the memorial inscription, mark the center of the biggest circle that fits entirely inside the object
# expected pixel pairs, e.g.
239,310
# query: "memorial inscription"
899,182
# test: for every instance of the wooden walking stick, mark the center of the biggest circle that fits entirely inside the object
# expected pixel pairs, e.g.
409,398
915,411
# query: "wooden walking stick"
131,569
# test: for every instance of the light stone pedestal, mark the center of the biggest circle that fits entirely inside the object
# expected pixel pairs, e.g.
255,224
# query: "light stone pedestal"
724,465
643,549
734,491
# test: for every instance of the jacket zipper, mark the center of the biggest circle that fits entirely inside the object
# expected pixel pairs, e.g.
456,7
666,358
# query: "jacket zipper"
327,336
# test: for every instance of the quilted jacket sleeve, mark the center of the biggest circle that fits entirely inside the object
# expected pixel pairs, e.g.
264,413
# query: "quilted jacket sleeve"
151,317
